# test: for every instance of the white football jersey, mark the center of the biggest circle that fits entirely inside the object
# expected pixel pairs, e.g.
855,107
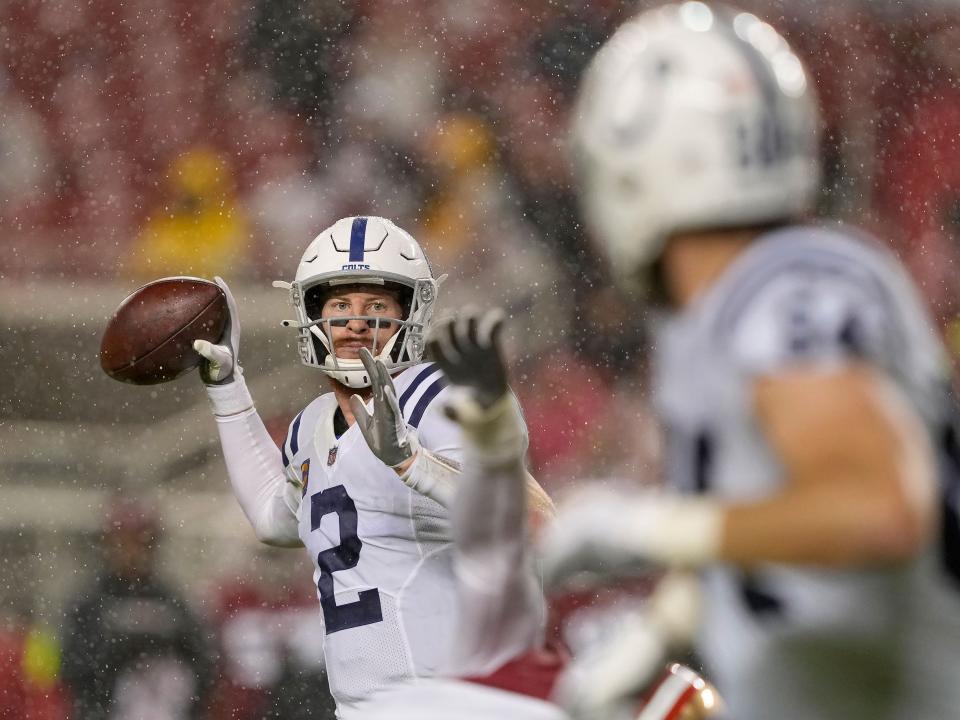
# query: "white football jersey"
382,553
791,642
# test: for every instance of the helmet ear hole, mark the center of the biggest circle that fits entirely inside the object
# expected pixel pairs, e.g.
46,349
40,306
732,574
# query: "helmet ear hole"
313,300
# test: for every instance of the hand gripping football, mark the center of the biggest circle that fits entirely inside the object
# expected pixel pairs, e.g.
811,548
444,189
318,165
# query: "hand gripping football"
149,339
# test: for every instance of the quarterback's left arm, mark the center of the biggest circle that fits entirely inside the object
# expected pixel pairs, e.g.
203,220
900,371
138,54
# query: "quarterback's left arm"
397,445
442,441
428,462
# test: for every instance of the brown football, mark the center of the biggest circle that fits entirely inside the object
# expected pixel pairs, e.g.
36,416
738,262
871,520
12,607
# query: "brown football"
149,339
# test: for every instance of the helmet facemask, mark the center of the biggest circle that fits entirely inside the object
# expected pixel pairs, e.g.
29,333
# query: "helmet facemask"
403,349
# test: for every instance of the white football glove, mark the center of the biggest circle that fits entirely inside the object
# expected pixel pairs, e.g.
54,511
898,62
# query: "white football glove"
220,361
385,430
601,533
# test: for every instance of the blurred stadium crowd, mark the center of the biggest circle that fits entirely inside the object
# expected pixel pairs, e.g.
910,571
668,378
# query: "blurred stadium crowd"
142,139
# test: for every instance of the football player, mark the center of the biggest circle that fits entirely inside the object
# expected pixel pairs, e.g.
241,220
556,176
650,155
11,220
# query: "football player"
365,494
802,387
504,669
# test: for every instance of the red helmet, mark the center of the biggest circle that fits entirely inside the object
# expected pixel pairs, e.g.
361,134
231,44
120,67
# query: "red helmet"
680,694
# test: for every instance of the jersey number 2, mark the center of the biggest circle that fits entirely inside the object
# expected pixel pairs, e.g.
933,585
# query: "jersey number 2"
365,610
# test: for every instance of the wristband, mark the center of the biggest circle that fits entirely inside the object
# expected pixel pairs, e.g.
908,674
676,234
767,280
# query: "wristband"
433,476
230,399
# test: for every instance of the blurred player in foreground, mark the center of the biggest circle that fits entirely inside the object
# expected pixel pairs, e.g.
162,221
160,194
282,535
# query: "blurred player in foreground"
365,494
503,669
802,386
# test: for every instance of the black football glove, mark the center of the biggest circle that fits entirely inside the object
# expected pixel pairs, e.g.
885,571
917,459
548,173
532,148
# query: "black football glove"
467,349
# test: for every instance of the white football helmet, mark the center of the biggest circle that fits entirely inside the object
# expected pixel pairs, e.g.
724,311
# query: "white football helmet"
692,117
362,251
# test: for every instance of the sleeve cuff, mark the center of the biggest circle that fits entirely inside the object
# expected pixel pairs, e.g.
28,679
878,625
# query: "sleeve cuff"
432,476
230,399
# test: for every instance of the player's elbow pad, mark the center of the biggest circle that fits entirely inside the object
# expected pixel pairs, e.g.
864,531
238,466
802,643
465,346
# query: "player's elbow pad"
273,538
276,522
273,527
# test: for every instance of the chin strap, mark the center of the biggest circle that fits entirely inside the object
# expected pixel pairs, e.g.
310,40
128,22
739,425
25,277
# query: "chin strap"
351,372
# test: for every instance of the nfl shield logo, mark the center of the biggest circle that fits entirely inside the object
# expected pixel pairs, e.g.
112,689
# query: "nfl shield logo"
332,455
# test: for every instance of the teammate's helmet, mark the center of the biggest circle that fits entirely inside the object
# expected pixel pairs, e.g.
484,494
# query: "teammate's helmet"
681,694
692,117
362,251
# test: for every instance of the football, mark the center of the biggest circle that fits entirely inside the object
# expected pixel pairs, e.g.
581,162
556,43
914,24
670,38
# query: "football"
149,338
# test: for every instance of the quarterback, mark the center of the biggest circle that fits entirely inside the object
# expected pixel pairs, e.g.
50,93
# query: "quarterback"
811,438
365,494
